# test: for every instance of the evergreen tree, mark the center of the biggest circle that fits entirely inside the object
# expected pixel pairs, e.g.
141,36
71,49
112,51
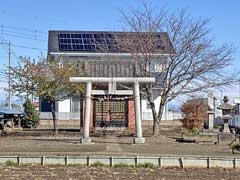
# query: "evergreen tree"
31,118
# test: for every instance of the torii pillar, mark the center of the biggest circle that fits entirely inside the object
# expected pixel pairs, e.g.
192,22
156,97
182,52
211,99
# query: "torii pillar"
138,120
86,139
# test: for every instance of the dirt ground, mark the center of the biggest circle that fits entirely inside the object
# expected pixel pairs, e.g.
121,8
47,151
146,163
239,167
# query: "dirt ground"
67,143
107,173
38,143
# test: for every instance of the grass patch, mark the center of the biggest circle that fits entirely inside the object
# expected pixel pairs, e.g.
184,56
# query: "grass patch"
146,165
194,130
10,163
123,165
97,164
77,165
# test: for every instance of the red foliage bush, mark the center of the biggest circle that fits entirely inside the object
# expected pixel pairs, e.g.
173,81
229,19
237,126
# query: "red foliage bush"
195,113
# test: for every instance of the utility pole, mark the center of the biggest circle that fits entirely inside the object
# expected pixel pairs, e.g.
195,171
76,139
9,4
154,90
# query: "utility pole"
9,76
239,89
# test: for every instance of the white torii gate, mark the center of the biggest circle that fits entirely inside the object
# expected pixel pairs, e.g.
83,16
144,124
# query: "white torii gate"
113,91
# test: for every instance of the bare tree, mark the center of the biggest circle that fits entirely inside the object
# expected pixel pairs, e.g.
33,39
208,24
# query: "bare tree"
193,62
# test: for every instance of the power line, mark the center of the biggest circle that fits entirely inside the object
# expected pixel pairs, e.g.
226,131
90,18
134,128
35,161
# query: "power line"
23,29
32,34
24,37
24,33
25,47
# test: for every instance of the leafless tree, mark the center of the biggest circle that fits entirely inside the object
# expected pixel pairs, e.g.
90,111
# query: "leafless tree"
194,63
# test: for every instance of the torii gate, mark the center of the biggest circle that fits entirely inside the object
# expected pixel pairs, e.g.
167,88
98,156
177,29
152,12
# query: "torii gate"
86,139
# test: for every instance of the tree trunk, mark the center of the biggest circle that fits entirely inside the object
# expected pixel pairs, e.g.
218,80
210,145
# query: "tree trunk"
156,124
54,117
156,117
156,127
154,113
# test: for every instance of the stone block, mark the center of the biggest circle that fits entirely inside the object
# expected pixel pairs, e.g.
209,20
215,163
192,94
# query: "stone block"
139,140
86,140
202,137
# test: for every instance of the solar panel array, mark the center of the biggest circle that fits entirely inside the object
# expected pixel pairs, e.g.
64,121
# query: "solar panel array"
86,42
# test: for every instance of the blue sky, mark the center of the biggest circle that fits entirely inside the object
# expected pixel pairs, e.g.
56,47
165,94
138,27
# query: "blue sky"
26,20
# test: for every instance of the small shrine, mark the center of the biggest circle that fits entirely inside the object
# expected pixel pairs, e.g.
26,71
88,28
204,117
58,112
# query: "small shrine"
226,113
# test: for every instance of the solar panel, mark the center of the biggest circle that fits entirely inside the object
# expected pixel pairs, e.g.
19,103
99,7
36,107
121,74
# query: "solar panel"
85,42
94,42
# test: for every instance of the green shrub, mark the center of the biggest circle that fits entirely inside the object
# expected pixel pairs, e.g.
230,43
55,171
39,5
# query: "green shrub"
10,163
194,130
97,164
235,147
219,127
146,165
31,118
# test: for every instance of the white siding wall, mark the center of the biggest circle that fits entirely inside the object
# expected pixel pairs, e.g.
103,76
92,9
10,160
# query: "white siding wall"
64,109
64,106
167,115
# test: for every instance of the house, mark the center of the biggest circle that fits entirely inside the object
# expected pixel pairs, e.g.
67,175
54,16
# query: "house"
96,55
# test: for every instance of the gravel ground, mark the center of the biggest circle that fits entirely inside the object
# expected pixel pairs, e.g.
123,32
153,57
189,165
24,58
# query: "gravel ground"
41,143
107,173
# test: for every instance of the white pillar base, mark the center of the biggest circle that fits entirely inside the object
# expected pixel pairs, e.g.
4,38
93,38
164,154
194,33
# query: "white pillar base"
226,128
210,121
138,140
86,140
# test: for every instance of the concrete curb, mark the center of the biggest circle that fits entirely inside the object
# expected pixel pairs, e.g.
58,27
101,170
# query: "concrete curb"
161,161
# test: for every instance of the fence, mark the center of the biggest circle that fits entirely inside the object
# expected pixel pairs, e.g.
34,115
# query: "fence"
169,115
235,122
76,116
61,115
163,161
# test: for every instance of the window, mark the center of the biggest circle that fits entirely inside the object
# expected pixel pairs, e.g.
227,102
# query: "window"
157,65
148,105
75,104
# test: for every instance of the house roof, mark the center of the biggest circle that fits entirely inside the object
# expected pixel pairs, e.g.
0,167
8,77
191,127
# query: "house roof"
101,41
11,112
225,106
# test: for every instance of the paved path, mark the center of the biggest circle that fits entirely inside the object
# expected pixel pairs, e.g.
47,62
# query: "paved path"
112,144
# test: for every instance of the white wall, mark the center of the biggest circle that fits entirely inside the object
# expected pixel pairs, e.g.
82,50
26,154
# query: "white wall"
64,106
147,112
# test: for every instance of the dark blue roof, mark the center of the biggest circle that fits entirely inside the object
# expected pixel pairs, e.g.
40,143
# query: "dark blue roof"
11,111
